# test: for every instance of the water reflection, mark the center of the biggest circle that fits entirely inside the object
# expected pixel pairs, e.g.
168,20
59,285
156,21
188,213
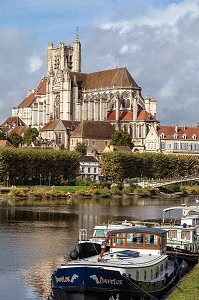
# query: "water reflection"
37,235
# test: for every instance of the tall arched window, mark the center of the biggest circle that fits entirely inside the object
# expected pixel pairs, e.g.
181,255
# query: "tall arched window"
57,107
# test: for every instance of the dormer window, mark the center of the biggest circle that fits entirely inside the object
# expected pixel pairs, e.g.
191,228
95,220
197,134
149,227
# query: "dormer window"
162,135
194,137
175,136
184,136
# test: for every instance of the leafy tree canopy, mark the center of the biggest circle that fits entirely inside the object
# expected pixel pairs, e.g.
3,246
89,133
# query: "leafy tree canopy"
81,148
15,139
2,136
30,135
121,138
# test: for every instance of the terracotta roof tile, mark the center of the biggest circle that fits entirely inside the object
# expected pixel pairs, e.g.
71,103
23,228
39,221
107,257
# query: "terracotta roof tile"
18,130
50,126
101,130
106,79
143,115
124,116
42,87
41,90
13,121
70,124
5,143
169,132
27,101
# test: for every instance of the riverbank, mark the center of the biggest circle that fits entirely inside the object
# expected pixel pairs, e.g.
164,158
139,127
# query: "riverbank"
92,191
188,287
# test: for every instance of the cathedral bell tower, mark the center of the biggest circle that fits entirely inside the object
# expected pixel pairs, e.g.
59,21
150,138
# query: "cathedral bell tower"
62,60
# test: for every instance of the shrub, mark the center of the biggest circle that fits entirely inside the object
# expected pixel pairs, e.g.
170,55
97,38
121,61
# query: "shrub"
115,191
16,192
127,190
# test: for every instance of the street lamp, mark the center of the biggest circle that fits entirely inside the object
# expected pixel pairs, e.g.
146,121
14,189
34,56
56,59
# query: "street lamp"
7,178
49,179
39,179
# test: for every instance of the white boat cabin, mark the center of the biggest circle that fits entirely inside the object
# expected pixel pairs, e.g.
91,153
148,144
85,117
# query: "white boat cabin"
184,234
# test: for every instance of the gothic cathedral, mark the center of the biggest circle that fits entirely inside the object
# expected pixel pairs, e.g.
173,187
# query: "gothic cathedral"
68,94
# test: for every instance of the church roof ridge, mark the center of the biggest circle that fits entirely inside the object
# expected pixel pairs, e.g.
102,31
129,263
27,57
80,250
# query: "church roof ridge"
118,77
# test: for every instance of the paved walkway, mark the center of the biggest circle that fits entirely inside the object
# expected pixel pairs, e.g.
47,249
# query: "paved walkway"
168,181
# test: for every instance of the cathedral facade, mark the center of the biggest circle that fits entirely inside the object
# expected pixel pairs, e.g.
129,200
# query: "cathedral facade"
68,94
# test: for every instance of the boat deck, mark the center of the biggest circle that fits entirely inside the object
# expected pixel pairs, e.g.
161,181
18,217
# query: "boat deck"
143,260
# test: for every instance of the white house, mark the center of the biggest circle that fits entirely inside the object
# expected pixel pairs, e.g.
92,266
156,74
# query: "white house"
89,167
173,139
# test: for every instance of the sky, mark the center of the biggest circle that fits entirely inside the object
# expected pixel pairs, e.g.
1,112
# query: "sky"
156,40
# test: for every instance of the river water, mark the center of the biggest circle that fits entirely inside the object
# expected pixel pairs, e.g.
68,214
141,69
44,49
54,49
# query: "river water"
36,236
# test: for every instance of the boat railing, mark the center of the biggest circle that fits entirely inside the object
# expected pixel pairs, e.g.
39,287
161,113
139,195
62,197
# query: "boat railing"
83,235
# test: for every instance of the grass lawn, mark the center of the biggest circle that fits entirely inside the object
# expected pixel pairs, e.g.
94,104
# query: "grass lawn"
70,189
188,288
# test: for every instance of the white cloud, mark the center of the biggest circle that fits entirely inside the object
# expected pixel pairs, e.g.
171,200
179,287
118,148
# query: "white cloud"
34,63
129,48
167,17
16,53
160,49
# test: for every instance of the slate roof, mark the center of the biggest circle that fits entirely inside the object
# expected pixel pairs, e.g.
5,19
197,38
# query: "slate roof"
87,158
169,132
101,130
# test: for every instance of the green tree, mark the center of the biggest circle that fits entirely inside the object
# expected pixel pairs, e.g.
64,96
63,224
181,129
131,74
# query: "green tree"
2,136
30,135
121,138
15,139
81,148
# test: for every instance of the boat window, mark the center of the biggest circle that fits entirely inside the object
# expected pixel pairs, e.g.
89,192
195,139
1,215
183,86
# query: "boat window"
163,240
157,271
151,241
129,239
99,232
172,234
137,275
120,240
151,274
161,268
137,239
144,275
185,235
